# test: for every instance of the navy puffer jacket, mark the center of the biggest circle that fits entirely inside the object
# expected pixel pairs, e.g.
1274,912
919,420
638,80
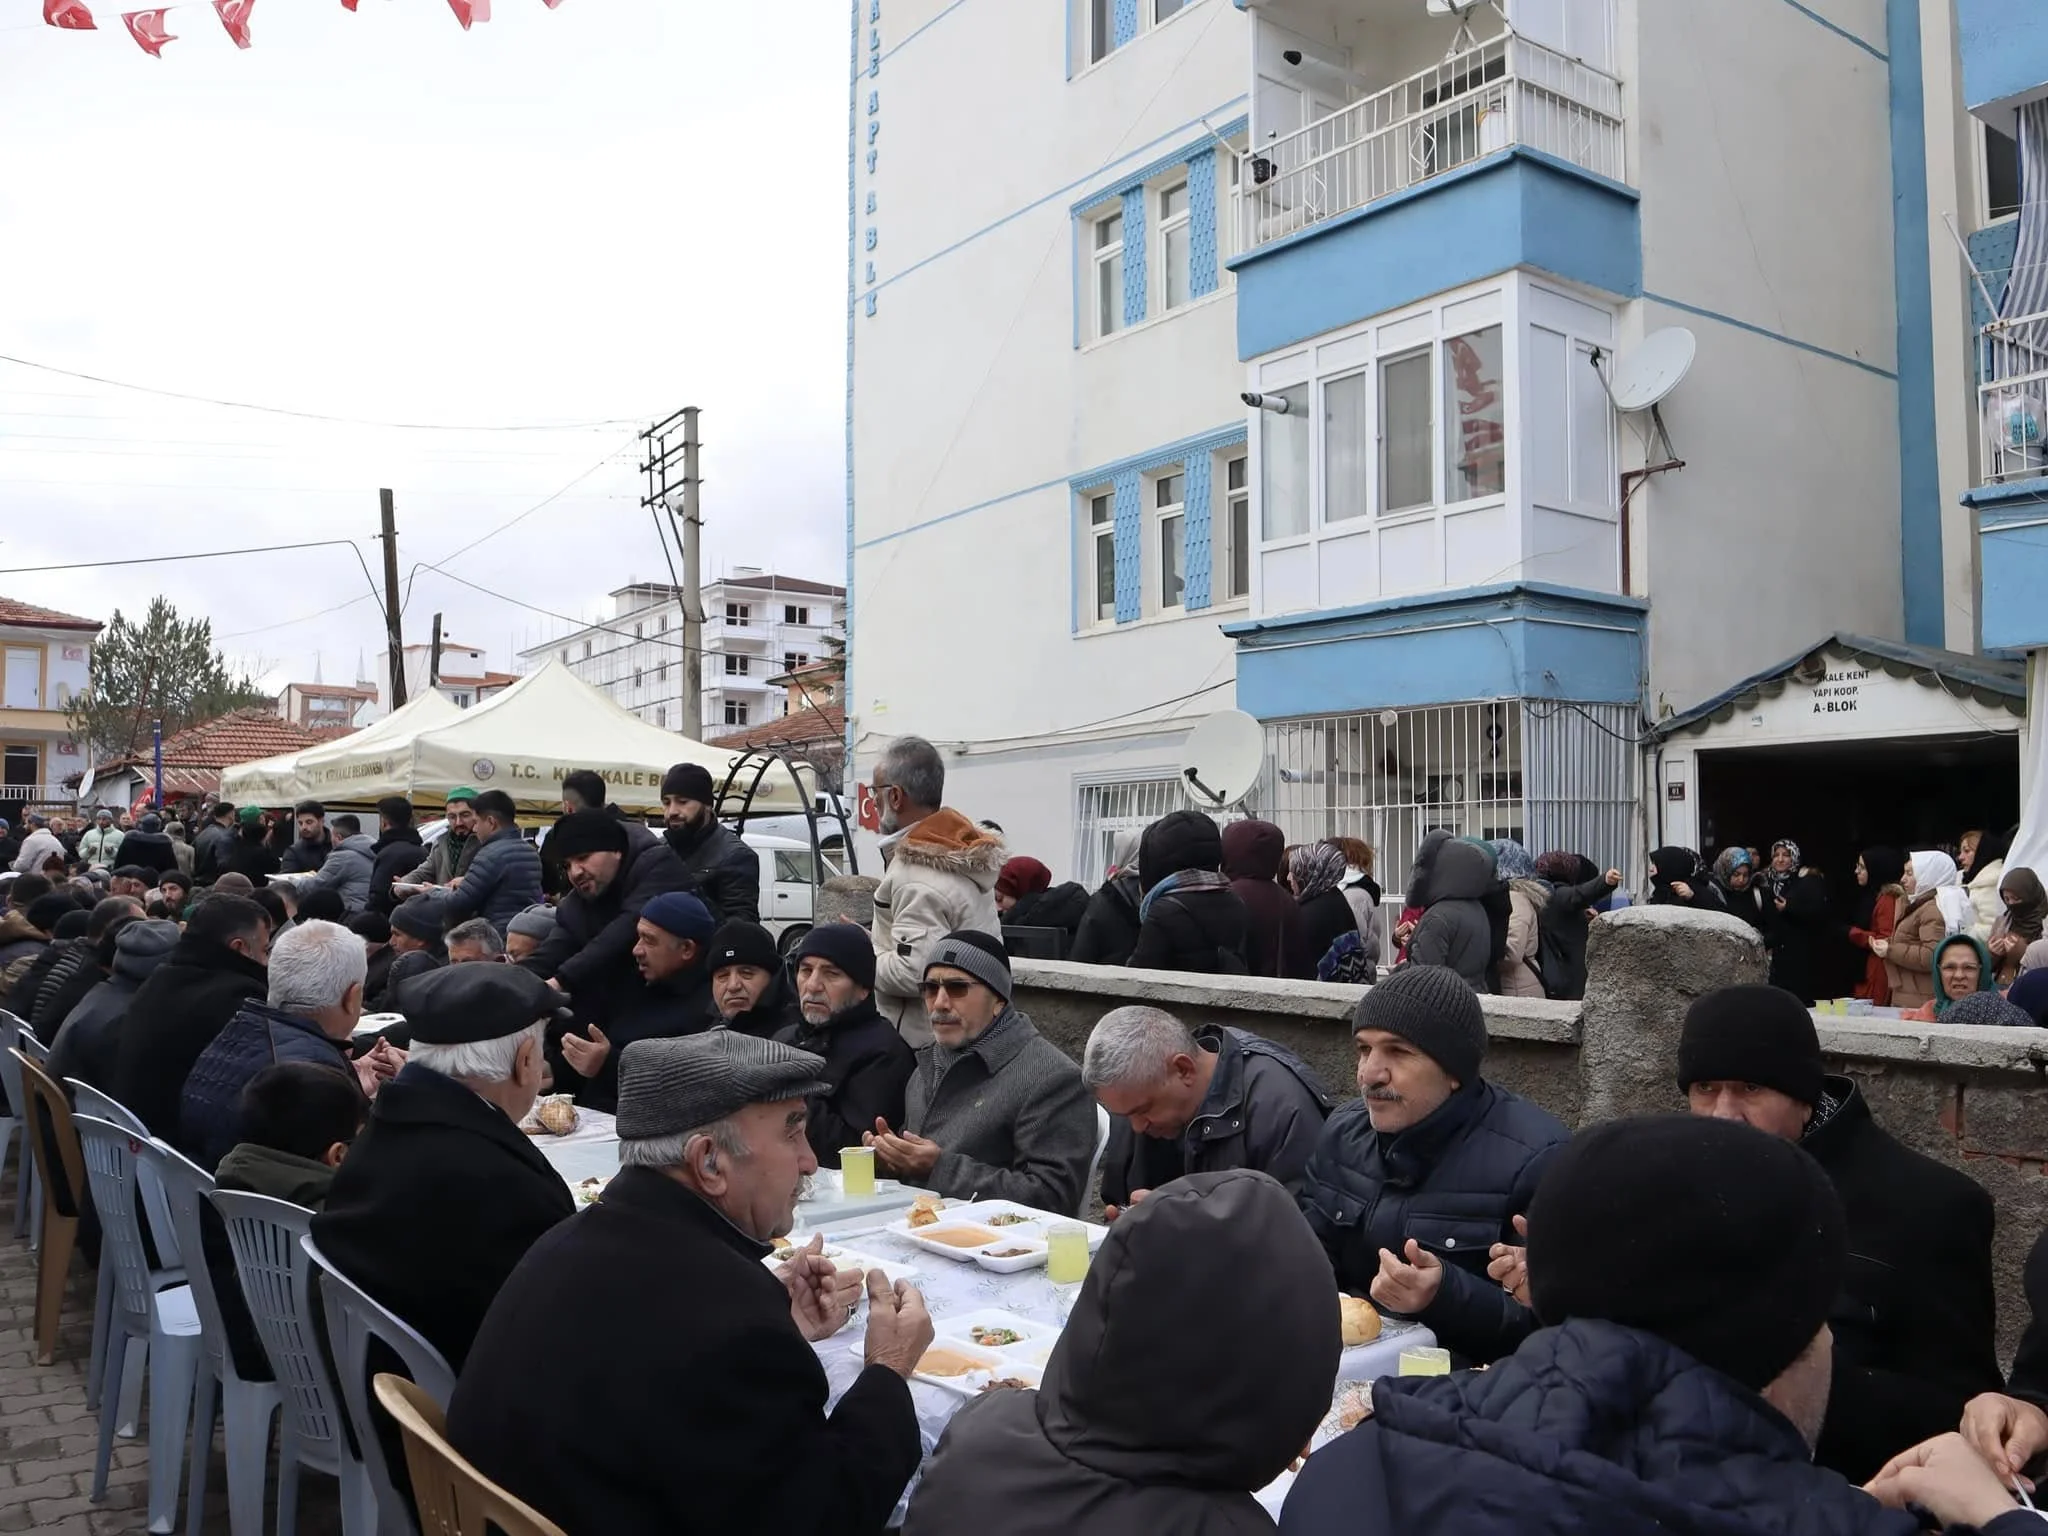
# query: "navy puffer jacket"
1588,1427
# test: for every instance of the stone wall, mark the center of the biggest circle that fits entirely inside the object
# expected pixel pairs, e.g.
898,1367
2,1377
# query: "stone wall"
1975,1099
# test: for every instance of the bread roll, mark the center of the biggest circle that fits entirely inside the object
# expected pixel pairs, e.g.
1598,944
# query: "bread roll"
1361,1321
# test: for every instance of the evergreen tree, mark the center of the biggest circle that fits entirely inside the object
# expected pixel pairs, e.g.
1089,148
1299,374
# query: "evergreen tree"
164,668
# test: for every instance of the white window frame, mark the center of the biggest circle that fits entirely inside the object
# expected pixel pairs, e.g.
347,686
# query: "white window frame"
1227,539
1098,30
735,712
1980,177
737,665
1093,536
1158,515
661,716
1105,322
1181,224
1159,16
740,615
1379,506
33,655
793,614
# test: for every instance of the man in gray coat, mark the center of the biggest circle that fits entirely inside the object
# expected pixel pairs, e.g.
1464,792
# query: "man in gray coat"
349,863
994,1110
503,878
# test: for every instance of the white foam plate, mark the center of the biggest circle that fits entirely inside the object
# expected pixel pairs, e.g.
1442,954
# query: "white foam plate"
1032,1337
989,1367
846,1258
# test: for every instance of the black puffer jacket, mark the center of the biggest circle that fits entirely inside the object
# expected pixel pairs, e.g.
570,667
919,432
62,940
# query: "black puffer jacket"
1588,1427
1109,928
591,950
1134,1431
723,871
1060,906
1455,1182
151,851
187,1000
1456,929
1199,928
868,1067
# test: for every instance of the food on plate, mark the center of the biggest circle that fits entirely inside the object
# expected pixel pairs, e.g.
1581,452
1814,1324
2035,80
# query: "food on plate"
780,1243
925,1209
960,1237
1008,1219
1008,1383
989,1337
1361,1320
556,1116
942,1361
1012,1253
1353,1405
589,1190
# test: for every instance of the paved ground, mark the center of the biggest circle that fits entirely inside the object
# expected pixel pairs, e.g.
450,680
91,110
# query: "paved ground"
48,1441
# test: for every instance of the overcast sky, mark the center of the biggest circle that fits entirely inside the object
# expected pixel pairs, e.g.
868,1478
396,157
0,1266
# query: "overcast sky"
601,212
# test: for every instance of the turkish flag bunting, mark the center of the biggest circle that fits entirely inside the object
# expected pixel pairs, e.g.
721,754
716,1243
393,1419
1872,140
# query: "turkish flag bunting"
147,28
467,11
234,15
71,15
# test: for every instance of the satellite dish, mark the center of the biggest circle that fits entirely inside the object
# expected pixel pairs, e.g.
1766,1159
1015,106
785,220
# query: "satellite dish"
1458,8
1221,762
1648,374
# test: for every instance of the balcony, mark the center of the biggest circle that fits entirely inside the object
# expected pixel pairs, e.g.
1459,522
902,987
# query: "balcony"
2012,397
2011,499
1504,93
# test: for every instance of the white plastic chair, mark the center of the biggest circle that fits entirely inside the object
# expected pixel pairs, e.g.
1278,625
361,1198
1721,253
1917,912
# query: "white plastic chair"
38,1053
167,1320
354,1318
1101,1146
11,1027
276,1275
249,1404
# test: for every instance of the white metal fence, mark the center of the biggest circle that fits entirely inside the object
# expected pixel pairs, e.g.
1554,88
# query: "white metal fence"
1505,91
1103,810
2013,397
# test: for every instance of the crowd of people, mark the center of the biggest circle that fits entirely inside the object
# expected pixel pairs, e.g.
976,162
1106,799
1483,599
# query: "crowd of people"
1762,1312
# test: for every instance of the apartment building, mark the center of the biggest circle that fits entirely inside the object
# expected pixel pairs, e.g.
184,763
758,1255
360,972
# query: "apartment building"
48,658
465,676
1261,353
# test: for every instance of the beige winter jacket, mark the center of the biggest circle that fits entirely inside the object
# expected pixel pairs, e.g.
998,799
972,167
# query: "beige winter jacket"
1518,977
941,877
1909,961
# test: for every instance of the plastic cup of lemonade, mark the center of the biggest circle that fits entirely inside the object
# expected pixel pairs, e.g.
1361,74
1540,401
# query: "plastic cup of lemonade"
1421,1361
857,1170
1066,1254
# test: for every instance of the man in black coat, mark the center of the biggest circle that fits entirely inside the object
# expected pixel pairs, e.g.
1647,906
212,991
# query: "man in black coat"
215,841
750,986
1182,1103
674,999
397,851
65,972
867,1065
218,965
442,1194
309,852
1189,919
724,872
614,869
1415,1182
149,847
1914,1323
676,1316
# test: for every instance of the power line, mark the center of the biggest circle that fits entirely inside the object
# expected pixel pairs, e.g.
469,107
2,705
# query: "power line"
544,501
204,554
278,410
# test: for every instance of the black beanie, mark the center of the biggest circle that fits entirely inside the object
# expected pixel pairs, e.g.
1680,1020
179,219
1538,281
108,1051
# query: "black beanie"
1715,1237
582,832
842,944
1435,1010
1752,1034
687,781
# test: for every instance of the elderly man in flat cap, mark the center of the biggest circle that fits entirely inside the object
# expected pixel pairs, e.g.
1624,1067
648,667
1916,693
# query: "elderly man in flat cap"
614,868
443,1193
703,1352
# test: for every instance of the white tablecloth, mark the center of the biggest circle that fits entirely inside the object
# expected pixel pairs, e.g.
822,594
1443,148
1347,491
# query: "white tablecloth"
955,1290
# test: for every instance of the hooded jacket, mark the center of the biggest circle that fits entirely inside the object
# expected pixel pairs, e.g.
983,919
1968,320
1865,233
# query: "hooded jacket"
172,1018
1521,968
100,846
867,1068
88,1045
941,878
1196,1364
150,850
1276,943
1455,930
36,849
1588,1429
347,870
1109,928
1265,1109
1196,923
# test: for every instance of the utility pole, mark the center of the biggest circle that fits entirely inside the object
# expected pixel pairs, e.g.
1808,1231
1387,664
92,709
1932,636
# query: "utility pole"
672,445
394,633
434,657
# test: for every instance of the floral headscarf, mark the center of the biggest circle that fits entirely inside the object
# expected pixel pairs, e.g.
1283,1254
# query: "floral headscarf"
1774,879
1315,868
1512,861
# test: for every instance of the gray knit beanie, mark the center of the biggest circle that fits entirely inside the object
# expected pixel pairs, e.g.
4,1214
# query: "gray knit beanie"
1432,1008
978,954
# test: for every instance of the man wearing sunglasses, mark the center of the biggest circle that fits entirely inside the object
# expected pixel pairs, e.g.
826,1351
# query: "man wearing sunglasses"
994,1111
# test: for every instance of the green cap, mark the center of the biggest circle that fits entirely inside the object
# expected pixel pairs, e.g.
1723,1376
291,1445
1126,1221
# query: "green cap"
462,792
249,813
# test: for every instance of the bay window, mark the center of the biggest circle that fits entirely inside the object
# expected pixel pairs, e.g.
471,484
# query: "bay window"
1406,468
1347,434
1475,430
1284,466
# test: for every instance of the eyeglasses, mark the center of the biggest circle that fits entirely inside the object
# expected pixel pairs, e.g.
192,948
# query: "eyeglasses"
955,987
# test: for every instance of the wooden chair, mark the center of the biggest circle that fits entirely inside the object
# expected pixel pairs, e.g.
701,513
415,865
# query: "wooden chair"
454,1498
52,1139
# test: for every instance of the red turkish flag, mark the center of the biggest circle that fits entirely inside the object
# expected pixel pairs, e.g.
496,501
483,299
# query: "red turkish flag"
467,11
234,15
551,4
71,15
147,28
348,5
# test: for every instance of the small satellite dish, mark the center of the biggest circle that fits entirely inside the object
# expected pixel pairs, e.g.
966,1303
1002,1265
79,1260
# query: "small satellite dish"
1221,762
1648,374
1458,8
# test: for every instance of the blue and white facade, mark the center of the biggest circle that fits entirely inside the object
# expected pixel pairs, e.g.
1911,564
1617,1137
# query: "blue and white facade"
1254,352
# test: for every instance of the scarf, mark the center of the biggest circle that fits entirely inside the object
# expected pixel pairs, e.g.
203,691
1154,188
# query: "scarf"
1775,880
1937,872
1182,880
1512,861
1316,868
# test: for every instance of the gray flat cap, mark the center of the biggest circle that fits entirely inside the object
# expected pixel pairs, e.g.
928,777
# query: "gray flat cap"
667,1087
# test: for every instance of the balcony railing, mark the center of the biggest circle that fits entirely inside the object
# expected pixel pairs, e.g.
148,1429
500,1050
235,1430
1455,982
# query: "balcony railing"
1504,92
2012,396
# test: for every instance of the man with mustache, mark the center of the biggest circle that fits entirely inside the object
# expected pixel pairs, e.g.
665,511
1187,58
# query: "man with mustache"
1414,1183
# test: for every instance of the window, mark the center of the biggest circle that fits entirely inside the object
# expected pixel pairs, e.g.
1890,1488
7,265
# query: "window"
796,867
1161,9
1237,530
1102,811
661,673
23,767
739,613
1174,256
639,677
640,631
586,650
1102,555
1169,502
24,679
565,656
791,660
1347,435
737,666
735,712
661,716
1101,29
1284,465
461,700
1405,470
661,625
2001,187
1109,275
791,614
1475,429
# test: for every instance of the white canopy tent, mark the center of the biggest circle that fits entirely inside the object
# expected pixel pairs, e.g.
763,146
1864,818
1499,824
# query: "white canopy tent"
524,741
290,776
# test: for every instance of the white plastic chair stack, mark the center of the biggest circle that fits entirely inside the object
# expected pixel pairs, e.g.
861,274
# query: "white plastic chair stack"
38,1053
276,1276
166,1320
25,1191
169,1271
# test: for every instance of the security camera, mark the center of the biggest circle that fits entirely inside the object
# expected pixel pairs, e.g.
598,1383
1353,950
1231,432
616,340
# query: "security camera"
1277,404
1293,56
1318,72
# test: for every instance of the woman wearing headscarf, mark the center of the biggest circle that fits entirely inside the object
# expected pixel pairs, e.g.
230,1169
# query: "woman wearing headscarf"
1931,907
1413,901
1962,966
1576,887
1983,881
2026,905
1315,873
1795,920
1361,890
1676,881
1881,872
1521,968
1109,928
1734,880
